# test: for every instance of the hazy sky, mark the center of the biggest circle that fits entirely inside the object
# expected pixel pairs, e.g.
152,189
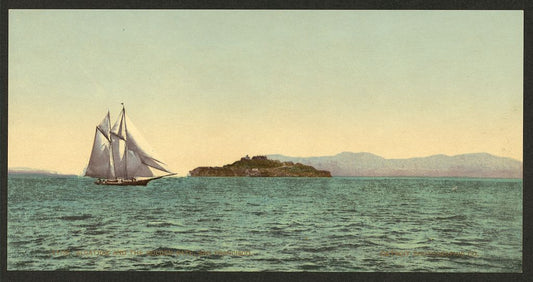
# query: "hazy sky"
208,87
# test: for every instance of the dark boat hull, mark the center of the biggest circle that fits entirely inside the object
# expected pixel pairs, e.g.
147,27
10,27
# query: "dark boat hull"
123,182
128,182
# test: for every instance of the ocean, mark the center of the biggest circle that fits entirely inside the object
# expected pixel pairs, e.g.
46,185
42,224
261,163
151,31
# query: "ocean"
266,224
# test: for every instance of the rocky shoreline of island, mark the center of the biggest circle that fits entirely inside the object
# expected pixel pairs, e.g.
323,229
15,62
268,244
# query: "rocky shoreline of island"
260,166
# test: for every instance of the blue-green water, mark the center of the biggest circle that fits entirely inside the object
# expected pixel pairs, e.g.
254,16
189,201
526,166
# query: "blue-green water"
266,224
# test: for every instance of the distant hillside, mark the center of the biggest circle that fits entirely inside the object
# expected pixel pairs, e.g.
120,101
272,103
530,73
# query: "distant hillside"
26,170
367,164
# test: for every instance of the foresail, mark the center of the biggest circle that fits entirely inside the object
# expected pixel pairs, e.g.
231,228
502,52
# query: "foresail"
137,167
142,149
130,165
132,156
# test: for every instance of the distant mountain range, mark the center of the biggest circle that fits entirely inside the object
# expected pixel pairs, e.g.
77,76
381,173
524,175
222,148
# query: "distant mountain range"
367,164
27,170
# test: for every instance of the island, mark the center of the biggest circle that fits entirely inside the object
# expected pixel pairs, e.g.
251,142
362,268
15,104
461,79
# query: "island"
259,166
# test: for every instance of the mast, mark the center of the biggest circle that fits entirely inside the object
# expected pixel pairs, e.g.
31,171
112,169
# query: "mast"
108,137
126,142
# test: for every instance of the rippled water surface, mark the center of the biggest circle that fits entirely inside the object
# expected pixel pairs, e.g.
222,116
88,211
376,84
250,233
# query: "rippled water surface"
266,224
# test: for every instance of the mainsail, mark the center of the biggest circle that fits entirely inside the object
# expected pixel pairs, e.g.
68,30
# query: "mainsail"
100,163
121,152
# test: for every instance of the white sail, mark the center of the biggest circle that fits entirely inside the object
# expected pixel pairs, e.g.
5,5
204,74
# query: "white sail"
105,126
132,156
136,167
138,144
119,156
100,163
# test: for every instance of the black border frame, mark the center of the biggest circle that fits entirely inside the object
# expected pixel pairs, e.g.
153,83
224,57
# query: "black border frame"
524,5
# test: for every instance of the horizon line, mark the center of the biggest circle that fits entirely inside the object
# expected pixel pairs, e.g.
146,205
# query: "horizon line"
362,152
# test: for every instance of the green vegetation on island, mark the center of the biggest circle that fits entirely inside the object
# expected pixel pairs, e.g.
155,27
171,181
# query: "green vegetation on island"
260,166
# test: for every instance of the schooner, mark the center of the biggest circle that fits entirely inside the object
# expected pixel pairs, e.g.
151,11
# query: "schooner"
121,156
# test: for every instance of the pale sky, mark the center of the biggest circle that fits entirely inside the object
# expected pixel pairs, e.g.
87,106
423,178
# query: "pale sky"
206,87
